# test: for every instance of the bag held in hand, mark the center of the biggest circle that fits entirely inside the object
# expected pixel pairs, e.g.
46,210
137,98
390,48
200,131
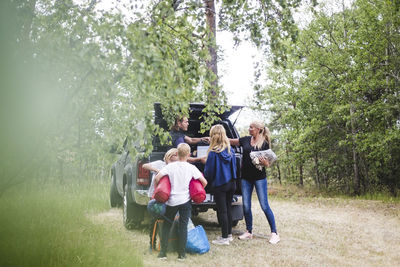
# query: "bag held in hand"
197,241
163,189
196,190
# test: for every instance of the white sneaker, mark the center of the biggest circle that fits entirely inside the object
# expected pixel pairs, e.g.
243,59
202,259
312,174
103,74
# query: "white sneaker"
221,241
245,236
230,238
274,238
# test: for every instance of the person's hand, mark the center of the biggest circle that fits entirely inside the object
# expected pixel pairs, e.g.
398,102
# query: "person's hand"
205,139
264,161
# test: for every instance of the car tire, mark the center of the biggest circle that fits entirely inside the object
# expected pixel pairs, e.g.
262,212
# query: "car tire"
133,213
115,199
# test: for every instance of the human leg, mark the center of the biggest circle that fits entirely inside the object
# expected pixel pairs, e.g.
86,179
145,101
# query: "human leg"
262,193
166,227
220,201
247,190
185,211
228,199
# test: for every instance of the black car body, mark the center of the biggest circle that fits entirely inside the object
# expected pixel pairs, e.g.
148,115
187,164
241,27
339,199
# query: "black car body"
130,182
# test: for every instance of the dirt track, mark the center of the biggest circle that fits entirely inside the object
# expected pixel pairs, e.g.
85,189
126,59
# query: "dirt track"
314,232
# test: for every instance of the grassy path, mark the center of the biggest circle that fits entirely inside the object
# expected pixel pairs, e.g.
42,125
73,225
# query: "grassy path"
314,232
69,223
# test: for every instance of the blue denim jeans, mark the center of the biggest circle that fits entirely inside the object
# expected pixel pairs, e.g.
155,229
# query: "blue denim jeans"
262,193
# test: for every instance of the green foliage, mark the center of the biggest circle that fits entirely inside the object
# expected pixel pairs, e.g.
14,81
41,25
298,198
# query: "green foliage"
55,224
336,102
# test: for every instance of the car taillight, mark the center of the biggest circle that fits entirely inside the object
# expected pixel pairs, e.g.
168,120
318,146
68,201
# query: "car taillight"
143,175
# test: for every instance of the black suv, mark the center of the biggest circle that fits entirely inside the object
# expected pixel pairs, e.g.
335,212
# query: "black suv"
130,182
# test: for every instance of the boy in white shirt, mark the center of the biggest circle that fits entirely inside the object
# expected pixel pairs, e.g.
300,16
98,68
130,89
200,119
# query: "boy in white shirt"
180,173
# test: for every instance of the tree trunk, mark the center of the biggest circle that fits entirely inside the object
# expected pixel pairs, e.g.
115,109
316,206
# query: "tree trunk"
356,178
317,178
301,183
212,44
279,173
29,7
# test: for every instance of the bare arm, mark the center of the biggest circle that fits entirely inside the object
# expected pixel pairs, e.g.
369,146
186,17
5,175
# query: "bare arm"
234,142
203,181
157,178
148,166
264,161
192,159
195,140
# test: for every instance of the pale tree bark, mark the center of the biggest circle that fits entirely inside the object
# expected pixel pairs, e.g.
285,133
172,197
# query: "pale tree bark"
212,47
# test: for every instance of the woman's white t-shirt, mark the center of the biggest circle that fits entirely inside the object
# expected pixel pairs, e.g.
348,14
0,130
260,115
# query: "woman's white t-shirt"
158,164
180,173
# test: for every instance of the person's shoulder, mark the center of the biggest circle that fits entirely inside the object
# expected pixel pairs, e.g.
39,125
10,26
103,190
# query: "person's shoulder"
244,139
157,162
265,145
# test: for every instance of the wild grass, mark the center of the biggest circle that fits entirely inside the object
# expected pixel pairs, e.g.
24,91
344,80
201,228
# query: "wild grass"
70,223
46,224
291,191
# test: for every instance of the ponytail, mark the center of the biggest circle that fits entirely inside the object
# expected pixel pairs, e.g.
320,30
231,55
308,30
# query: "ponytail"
264,132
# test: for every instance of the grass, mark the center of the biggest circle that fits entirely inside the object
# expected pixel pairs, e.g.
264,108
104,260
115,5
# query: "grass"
47,224
291,191
70,223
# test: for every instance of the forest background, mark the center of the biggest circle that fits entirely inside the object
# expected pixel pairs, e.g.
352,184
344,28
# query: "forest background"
76,80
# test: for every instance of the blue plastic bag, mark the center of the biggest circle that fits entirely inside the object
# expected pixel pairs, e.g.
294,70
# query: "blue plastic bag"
197,241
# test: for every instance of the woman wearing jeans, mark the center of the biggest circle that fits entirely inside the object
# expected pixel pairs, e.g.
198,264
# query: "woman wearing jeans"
258,140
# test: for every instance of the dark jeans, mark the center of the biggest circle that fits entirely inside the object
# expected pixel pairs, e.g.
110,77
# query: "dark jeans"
262,193
185,211
223,198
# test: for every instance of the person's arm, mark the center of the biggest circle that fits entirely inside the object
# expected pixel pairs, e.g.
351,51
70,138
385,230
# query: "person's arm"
234,142
264,161
195,140
192,159
203,181
158,177
148,166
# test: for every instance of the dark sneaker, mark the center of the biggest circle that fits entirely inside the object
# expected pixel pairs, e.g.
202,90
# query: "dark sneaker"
162,256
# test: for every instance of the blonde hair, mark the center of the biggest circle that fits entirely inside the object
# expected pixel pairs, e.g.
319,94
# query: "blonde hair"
183,150
170,153
264,131
218,139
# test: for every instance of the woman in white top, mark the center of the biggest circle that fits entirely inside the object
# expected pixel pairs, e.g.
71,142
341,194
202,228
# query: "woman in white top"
155,167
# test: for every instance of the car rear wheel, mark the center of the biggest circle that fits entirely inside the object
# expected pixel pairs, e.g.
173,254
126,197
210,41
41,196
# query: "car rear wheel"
133,213
115,198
